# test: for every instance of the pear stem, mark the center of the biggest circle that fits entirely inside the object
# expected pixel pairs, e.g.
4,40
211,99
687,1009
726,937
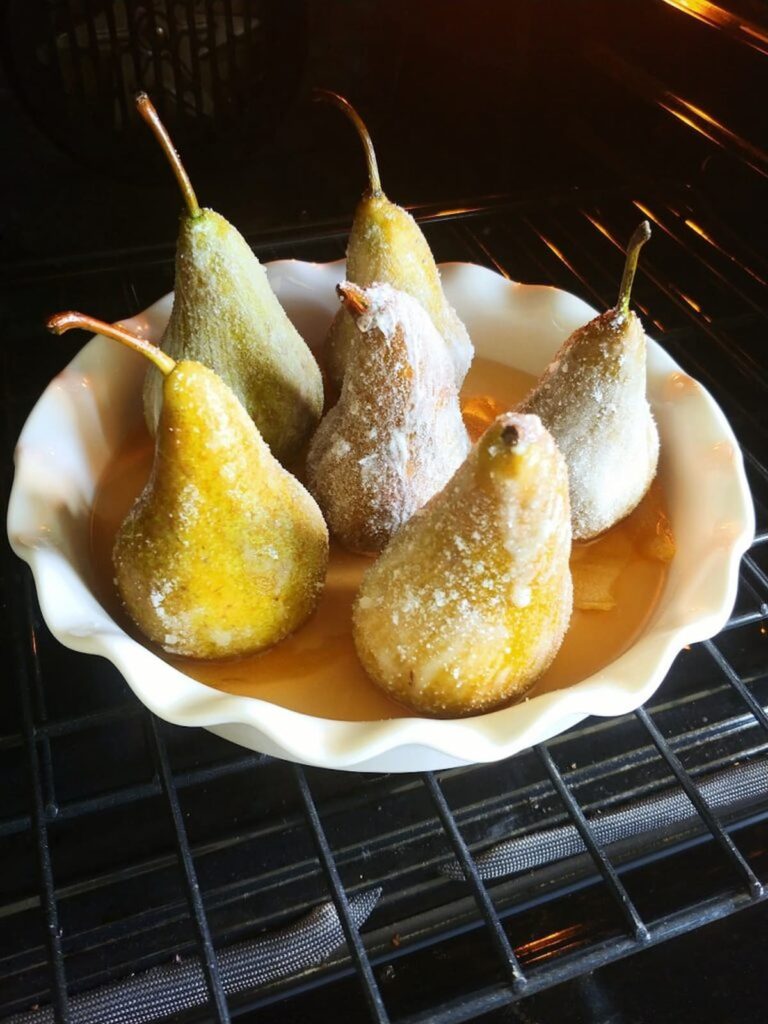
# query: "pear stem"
146,108
60,323
374,181
353,299
640,236
510,435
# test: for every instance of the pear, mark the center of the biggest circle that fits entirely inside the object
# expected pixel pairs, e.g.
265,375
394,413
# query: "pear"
226,316
592,399
396,434
470,602
224,552
387,246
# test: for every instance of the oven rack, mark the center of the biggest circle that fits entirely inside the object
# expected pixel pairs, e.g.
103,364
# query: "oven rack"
87,767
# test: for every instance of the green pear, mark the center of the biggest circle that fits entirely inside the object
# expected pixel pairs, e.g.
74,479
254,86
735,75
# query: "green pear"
386,246
224,552
396,434
470,601
592,399
226,316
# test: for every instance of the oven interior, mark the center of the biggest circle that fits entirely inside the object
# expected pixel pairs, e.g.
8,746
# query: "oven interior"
529,138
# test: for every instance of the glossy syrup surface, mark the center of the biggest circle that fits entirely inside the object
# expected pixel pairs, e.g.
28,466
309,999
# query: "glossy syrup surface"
316,670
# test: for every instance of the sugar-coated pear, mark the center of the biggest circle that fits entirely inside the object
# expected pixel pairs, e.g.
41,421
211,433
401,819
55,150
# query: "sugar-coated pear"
224,552
387,246
470,602
396,434
592,399
226,316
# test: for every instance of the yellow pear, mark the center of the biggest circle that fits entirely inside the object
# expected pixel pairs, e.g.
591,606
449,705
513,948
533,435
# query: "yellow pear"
226,316
387,246
396,434
224,552
592,399
470,602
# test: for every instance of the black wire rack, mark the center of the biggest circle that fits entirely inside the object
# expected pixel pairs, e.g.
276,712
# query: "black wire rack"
127,841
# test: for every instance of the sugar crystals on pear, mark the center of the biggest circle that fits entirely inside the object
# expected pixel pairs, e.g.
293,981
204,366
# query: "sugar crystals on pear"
386,246
592,399
396,434
470,601
226,316
224,552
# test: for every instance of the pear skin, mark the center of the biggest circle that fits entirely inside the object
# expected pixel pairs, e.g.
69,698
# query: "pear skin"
224,552
396,434
226,316
470,602
387,246
592,399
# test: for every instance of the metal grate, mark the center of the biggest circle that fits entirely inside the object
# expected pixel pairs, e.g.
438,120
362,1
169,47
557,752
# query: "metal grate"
232,843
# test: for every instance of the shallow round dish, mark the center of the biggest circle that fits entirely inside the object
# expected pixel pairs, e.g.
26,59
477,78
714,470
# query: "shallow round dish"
90,408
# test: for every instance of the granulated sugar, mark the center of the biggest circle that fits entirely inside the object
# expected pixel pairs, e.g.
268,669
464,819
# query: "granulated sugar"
477,583
592,399
396,434
226,316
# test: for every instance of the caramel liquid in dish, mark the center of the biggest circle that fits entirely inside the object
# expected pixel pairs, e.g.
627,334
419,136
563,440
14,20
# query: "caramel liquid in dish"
316,671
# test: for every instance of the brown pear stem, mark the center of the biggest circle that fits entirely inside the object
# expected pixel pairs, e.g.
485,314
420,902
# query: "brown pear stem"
374,181
640,236
60,323
353,299
146,108
510,435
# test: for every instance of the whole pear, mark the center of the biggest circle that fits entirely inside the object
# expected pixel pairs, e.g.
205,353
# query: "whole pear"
470,602
226,316
396,434
387,246
224,552
592,399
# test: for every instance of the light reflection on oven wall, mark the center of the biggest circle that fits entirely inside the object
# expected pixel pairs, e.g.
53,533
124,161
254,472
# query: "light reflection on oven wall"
506,101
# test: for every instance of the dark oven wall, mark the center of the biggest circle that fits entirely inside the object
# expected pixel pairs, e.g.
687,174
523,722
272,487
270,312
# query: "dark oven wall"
529,137
496,99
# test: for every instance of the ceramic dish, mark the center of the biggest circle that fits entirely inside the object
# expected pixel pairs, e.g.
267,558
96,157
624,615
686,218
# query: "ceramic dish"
90,408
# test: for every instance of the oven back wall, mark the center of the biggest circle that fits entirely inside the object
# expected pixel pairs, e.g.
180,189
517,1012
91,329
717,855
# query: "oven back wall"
516,99
565,110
